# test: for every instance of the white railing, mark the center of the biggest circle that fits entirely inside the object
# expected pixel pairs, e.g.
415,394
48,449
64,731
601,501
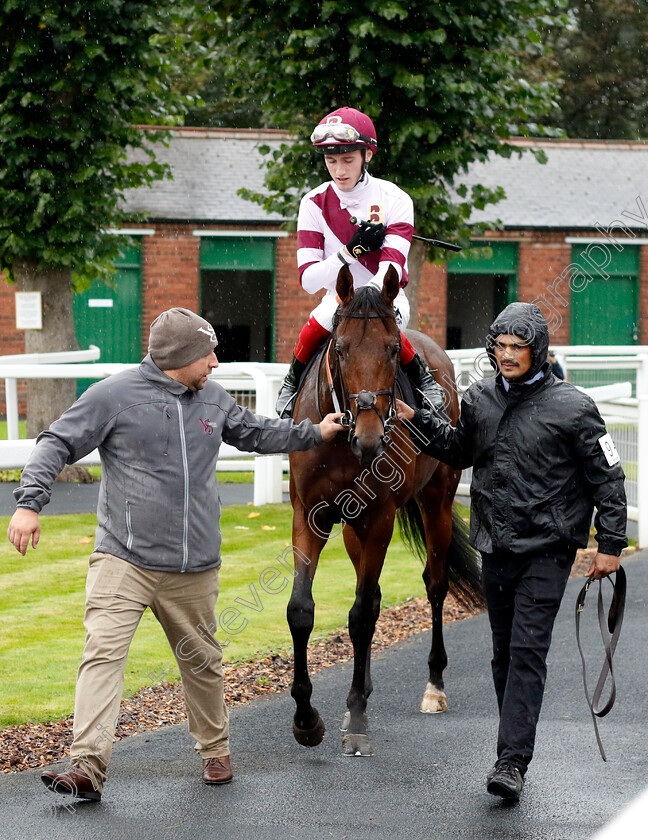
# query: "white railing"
11,383
627,416
58,357
262,379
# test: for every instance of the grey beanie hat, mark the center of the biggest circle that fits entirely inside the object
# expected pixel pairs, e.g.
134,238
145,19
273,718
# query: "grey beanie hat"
179,337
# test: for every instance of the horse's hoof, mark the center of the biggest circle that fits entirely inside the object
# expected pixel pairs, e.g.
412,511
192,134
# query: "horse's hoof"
346,720
434,700
310,737
356,745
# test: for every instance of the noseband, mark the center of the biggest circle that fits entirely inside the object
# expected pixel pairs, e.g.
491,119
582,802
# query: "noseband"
365,400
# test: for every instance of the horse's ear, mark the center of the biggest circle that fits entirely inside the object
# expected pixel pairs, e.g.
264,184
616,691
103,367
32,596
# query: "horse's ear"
344,287
391,284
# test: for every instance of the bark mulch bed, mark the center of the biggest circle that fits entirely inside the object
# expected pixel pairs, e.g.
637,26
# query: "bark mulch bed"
153,706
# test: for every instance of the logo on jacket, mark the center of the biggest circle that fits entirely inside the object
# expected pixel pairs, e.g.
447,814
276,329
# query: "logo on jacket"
207,427
376,214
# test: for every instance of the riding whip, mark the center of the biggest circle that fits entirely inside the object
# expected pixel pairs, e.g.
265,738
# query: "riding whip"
610,630
449,246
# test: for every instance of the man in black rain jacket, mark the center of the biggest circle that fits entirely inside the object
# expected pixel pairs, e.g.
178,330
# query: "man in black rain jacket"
542,460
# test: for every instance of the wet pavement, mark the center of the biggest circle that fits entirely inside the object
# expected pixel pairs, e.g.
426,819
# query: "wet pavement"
426,779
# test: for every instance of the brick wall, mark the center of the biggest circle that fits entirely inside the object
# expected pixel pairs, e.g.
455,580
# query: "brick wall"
541,261
433,302
170,273
171,277
292,305
643,295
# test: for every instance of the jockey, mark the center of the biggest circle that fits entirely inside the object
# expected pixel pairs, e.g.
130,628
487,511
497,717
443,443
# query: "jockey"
328,239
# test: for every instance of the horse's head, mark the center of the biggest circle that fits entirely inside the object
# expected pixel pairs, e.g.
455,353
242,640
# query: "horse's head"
366,342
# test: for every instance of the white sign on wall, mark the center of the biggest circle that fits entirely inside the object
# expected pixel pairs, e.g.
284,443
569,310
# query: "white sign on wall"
29,311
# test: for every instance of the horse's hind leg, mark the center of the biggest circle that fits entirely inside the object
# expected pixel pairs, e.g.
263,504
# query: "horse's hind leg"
435,502
308,726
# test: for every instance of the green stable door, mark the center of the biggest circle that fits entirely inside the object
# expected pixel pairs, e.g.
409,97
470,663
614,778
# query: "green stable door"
606,310
109,314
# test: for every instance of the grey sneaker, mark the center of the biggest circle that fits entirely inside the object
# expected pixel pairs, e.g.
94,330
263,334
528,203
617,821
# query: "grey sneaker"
505,780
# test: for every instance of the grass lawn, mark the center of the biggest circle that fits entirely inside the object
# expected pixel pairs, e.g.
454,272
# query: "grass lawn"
42,597
22,429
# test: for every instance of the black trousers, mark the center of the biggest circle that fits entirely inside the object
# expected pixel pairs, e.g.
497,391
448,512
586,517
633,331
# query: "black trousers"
523,593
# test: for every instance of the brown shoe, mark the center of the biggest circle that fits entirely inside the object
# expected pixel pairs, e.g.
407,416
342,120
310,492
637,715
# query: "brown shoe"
217,771
74,781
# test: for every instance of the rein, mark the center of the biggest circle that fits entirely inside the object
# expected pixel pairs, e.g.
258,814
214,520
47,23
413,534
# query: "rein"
610,630
365,400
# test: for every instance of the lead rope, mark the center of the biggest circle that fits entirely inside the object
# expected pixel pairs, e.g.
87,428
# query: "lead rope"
610,631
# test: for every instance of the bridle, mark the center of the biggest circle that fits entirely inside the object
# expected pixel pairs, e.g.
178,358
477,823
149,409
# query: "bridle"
365,399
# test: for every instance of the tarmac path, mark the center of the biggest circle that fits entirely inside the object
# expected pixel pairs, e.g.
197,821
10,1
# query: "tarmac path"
426,780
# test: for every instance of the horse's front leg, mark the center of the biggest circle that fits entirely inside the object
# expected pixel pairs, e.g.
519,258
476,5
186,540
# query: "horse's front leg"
354,549
437,518
308,726
362,623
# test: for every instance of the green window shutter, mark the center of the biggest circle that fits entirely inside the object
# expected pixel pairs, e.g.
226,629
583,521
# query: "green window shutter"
504,260
237,253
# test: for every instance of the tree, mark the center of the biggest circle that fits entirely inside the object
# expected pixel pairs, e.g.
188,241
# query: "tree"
444,83
76,78
602,57
222,104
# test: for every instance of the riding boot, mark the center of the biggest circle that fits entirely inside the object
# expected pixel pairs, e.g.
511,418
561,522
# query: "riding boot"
422,378
289,388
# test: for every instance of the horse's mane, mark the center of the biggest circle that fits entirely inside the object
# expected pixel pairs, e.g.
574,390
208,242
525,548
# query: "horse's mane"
367,302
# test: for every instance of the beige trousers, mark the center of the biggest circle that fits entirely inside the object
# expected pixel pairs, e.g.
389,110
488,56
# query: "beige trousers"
117,593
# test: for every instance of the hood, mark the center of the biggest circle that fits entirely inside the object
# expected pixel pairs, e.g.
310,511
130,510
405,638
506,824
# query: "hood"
526,321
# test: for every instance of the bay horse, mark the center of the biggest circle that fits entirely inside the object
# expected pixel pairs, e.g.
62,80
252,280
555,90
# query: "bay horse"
362,479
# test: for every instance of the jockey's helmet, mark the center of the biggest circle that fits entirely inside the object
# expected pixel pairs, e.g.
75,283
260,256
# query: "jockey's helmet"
344,131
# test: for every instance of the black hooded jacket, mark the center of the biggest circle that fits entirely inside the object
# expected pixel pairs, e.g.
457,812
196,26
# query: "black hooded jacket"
538,453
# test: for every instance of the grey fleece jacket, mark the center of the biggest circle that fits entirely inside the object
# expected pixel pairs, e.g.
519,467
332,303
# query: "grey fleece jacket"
159,506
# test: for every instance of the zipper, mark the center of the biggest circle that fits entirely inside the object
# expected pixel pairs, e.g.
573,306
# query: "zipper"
185,467
129,527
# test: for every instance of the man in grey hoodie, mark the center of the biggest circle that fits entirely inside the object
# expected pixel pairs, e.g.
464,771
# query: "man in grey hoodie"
158,429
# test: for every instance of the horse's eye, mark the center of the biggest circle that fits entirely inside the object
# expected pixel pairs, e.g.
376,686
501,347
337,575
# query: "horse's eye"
394,351
339,350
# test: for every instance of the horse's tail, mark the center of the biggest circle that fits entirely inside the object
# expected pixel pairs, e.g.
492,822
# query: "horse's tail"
463,562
